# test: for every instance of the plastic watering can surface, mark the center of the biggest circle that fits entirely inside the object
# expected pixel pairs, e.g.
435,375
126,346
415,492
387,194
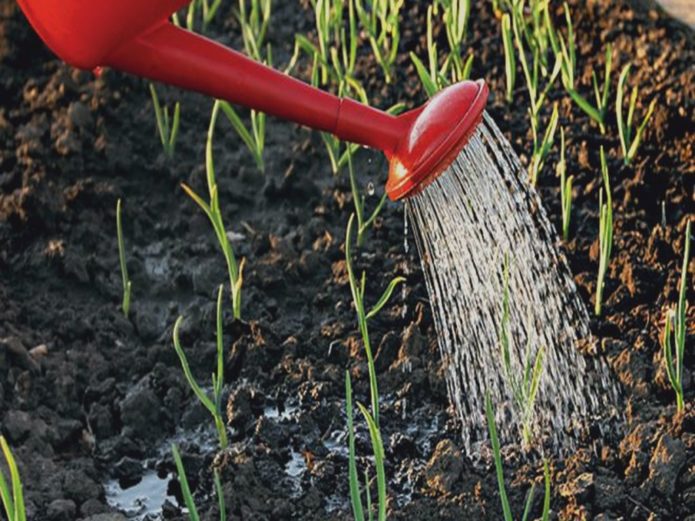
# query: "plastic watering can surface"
135,36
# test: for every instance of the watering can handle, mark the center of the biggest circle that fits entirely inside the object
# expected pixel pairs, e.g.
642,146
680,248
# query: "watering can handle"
172,55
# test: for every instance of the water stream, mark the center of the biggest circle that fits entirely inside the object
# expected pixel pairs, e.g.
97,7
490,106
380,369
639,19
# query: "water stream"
479,212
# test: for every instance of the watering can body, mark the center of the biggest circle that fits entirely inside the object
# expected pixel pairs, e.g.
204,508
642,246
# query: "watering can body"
135,36
85,32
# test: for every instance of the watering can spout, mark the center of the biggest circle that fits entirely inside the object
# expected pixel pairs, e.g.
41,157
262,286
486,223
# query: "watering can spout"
169,54
135,36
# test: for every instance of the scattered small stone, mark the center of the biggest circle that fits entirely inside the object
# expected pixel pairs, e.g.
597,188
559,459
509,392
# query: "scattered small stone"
16,348
39,352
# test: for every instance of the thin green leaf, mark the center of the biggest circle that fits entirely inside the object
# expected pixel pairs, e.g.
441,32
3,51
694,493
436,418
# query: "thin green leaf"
378,448
238,125
494,440
185,489
127,286
427,83
221,505
546,500
17,493
529,503
219,377
385,297
355,498
5,494
197,390
509,56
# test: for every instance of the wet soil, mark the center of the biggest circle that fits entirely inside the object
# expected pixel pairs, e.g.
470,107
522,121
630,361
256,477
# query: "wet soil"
90,400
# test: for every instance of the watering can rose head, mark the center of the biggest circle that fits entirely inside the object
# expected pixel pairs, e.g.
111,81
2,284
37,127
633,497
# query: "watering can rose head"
441,128
135,36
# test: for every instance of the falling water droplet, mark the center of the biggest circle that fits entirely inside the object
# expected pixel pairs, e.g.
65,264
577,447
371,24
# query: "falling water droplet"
406,265
370,189
464,223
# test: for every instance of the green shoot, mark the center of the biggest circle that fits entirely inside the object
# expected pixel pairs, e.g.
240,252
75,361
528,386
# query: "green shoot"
531,21
380,22
127,286
499,470
605,234
355,499
509,56
214,214
168,128
199,9
456,15
529,41
12,499
214,405
185,488
254,139
254,28
368,493
565,189
540,33
333,63
675,330
542,148
524,387
221,505
378,449
363,317
628,142
565,53
336,52
433,77
359,200
497,455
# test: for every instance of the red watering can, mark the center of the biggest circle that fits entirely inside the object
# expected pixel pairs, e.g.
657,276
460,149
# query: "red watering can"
135,36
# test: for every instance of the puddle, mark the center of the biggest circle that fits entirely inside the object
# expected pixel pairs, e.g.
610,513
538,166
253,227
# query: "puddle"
142,501
295,469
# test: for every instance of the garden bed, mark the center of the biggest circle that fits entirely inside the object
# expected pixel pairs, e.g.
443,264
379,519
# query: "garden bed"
87,397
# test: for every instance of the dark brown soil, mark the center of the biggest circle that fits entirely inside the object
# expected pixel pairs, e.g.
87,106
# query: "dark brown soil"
87,396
